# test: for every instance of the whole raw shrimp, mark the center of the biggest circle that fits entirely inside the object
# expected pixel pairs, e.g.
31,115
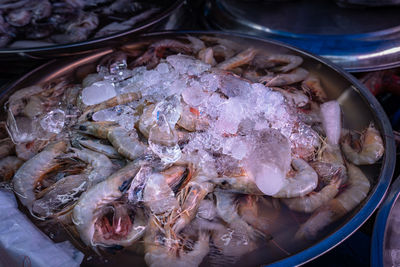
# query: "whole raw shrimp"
294,76
94,204
33,170
369,149
314,200
121,99
355,192
156,51
238,60
164,250
260,212
125,144
277,62
305,181
63,194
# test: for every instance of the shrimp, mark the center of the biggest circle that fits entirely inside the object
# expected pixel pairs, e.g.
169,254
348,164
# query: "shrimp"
156,51
370,147
314,200
8,166
294,76
259,212
96,146
240,59
207,56
356,191
227,211
6,147
236,184
147,120
278,62
190,198
121,99
88,217
294,97
196,43
100,165
313,86
26,151
16,102
304,182
32,171
125,144
162,250
60,196
191,120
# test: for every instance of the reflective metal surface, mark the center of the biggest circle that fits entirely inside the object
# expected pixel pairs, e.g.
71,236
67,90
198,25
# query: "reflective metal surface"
359,107
357,39
169,18
379,246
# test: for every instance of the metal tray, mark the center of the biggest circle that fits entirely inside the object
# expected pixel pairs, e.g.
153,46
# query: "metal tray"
168,19
358,105
357,39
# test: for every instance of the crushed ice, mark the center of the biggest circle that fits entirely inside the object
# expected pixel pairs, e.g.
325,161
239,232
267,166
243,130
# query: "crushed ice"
237,114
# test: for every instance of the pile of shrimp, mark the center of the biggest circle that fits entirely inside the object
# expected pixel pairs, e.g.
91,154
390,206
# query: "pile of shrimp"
25,24
194,167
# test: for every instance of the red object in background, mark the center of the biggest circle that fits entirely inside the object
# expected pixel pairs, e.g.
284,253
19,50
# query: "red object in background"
382,81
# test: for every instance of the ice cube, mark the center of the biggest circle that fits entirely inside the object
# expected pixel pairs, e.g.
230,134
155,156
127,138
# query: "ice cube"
170,108
187,65
268,177
209,81
122,114
232,86
98,92
194,94
236,147
232,113
163,141
53,121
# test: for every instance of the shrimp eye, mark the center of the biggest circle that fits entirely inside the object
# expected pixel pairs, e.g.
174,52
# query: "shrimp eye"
82,128
224,183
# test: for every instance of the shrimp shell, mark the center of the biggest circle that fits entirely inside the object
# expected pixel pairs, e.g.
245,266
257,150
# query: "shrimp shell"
25,179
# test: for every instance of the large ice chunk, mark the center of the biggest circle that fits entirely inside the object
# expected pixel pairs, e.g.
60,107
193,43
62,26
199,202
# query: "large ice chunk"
98,92
269,160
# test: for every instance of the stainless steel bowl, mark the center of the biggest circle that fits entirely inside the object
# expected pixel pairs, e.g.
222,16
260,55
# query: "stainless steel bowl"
380,249
359,108
357,39
167,19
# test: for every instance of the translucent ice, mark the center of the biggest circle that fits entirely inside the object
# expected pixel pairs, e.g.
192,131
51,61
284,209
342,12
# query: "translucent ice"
187,65
269,160
331,121
122,114
194,94
170,108
209,81
53,121
98,92
163,141
237,147
232,113
231,85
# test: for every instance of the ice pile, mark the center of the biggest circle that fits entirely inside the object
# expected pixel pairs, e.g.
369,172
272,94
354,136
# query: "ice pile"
246,121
